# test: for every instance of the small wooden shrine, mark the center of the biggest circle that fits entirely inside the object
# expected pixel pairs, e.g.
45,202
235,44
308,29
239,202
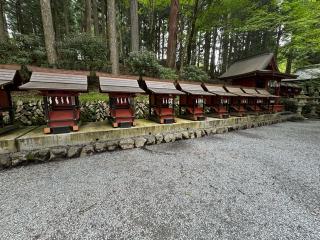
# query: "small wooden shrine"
161,100
269,101
255,101
289,90
60,93
219,102
192,105
10,80
121,99
255,72
260,71
239,102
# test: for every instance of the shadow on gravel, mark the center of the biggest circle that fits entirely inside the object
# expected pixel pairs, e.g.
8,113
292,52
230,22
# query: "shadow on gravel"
248,135
217,137
169,147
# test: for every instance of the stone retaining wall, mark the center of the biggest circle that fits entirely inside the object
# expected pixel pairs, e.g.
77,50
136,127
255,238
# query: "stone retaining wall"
31,113
73,151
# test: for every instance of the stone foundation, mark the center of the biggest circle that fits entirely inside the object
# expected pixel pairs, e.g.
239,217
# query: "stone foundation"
32,146
31,113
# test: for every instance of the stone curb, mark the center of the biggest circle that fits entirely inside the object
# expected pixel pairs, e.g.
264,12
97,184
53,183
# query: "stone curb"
68,152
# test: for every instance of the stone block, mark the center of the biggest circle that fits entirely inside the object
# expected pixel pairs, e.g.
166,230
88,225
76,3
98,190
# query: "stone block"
169,137
112,145
185,135
159,138
178,136
208,131
191,134
18,158
58,153
222,130
139,142
74,151
100,147
151,139
126,143
5,161
41,155
87,150
198,133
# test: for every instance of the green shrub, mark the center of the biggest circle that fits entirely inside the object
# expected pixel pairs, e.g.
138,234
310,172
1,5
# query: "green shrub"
83,52
193,73
143,63
289,104
167,73
307,108
23,49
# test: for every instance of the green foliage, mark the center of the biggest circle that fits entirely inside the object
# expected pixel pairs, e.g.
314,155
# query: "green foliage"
93,96
289,104
23,49
143,63
249,27
167,73
193,73
307,108
84,52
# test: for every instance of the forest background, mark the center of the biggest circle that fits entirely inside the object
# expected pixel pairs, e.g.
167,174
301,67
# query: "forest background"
186,39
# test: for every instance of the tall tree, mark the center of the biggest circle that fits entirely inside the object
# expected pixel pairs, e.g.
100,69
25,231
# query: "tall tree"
49,35
103,18
213,54
113,42
66,9
206,55
172,41
3,32
192,32
88,16
95,17
134,25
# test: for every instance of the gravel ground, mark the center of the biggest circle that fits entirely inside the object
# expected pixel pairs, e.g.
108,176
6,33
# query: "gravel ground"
261,183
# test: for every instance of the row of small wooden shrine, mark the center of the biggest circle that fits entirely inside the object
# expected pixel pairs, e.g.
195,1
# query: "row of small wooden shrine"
60,91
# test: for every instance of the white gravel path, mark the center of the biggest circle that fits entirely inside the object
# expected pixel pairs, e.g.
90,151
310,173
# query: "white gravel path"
261,183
